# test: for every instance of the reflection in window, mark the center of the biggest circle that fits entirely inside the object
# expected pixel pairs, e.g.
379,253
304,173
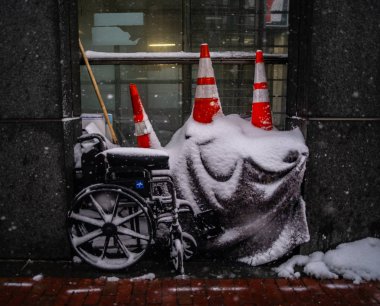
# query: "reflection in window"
167,90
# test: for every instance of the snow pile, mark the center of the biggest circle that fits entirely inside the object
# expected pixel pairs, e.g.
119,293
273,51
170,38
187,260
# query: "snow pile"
358,261
250,177
77,260
113,279
38,277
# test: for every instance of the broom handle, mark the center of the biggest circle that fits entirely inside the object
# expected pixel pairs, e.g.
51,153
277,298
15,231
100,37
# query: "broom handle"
97,91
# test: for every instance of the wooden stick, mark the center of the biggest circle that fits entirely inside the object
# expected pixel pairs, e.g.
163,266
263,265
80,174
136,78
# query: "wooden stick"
97,91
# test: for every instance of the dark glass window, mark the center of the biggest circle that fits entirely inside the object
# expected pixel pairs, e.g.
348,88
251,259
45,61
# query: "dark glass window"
166,83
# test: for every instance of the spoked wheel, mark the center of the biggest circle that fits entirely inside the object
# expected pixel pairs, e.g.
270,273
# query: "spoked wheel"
176,255
189,246
109,227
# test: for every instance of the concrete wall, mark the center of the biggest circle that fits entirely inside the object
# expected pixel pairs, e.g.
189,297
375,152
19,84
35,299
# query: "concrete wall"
39,108
334,71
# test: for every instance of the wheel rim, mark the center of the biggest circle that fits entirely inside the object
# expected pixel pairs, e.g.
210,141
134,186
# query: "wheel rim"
109,228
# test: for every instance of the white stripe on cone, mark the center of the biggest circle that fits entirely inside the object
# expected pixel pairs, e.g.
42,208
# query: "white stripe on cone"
206,91
205,68
260,74
260,95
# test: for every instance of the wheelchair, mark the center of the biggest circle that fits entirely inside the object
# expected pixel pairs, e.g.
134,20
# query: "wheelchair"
125,202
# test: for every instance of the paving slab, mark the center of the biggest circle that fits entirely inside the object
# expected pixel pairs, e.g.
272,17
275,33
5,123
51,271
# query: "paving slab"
165,291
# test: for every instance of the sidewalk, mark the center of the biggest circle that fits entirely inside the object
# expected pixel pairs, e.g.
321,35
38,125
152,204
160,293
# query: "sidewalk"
165,291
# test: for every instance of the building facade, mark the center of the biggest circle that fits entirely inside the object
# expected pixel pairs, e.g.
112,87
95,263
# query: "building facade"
323,74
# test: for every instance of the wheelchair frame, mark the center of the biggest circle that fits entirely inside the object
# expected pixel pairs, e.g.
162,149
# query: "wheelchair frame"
111,226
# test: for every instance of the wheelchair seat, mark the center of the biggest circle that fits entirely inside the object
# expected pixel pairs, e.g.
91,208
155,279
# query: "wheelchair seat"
150,159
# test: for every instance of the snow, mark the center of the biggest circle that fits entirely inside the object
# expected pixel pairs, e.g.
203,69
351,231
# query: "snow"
284,243
82,290
267,148
38,277
113,279
10,284
250,177
174,55
357,261
77,260
234,140
148,276
135,152
86,146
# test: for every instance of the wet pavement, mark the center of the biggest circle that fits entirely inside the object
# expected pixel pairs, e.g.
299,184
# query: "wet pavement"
206,283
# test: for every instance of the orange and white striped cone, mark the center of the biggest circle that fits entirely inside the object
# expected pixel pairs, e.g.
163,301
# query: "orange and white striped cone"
206,104
146,137
261,113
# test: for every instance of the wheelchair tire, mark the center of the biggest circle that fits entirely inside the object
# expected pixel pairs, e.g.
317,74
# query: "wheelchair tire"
109,226
189,246
176,255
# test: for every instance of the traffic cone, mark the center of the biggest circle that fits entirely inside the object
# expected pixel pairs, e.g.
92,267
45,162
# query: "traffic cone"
207,103
146,137
261,114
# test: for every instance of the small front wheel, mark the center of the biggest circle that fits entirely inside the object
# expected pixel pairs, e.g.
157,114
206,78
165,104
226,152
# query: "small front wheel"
176,255
189,245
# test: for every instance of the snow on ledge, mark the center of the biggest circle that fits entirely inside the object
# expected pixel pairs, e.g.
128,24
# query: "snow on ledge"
93,55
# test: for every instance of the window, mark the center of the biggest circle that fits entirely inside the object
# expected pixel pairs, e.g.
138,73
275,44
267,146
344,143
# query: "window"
167,83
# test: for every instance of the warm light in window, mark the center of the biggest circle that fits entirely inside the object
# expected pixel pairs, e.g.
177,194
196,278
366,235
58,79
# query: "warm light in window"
161,45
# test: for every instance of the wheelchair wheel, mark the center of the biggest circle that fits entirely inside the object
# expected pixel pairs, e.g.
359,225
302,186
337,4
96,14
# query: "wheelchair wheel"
176,255
189,246
109,226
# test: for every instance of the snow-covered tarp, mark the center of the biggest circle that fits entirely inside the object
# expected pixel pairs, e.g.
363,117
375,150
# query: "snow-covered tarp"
358,261
250,177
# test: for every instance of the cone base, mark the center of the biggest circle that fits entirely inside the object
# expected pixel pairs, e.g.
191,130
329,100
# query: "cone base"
205,109
261,115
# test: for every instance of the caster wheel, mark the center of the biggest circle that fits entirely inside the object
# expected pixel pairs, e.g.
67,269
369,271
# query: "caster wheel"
189,246
176,255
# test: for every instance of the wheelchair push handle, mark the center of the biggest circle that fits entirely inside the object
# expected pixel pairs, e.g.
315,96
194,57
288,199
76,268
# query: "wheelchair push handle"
92,136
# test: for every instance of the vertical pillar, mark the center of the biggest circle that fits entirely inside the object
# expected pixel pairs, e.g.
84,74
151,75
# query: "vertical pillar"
39,109
334,69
